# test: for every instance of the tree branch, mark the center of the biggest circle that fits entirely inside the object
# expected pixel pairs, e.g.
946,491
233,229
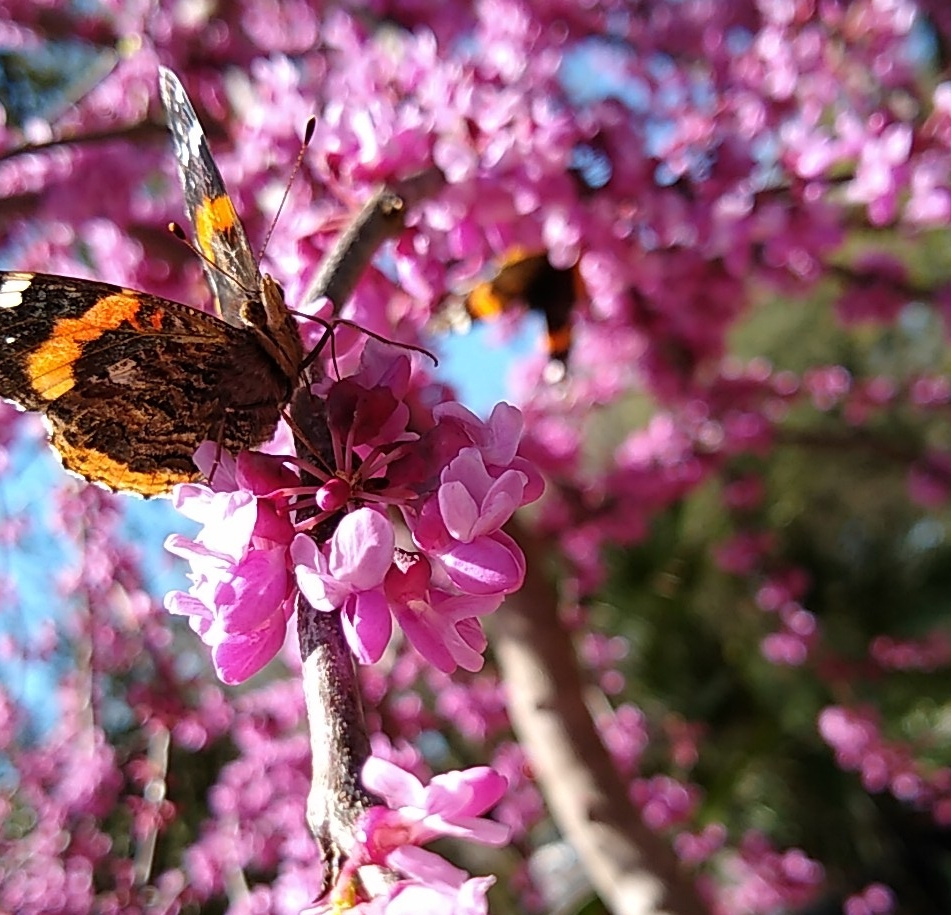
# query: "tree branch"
382,217
141,130
339,743
338,738
634,871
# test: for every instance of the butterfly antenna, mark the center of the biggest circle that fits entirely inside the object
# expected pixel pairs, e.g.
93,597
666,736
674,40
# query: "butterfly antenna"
309,129
329,326
176,230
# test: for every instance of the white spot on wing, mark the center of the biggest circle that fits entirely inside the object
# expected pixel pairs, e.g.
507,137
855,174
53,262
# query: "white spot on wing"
12,289
181,118
9,340
193,141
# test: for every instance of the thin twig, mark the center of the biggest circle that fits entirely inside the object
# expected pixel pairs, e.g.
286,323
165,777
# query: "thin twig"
142,130
154,793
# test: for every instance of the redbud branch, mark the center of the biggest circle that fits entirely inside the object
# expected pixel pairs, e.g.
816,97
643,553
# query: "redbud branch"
633,870
382,217
141,130
338,738
153,793
58,25
18,205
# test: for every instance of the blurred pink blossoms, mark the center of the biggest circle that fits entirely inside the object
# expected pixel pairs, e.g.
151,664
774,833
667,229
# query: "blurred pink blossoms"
454,479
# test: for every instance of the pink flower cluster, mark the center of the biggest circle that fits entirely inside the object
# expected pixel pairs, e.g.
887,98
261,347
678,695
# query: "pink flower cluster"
875,899
929,653
455,483
855,737
451,805
760,879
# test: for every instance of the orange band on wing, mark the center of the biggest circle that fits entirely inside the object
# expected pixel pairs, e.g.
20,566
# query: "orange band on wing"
100,468
50,367
483,303
214,216
516,254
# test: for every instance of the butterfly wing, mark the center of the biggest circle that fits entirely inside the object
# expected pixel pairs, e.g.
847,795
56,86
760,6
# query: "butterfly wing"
131,384
532,280
230,265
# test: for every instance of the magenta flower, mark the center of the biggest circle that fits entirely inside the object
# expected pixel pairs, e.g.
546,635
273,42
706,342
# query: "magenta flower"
451,805
441,626
242,593
497,438
456,483
474,503
432,886
349,577
880,173
436,887
370,403
461,524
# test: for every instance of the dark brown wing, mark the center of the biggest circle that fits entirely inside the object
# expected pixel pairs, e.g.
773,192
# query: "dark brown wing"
131,383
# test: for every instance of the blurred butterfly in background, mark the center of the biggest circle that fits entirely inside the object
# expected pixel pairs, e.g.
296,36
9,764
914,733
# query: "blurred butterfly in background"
528,280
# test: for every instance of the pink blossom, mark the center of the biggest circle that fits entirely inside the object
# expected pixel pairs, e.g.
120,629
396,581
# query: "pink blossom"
881,171
665,801
875,899
242,593
430,886
452,501
759,878
931,652
437,888
442,626
460,525
487,565
451,805
929,479
349,576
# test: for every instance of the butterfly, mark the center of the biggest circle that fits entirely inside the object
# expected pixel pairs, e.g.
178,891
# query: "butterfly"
131,383
529,279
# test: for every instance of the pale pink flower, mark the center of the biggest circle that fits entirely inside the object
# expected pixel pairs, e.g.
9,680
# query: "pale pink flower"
349,577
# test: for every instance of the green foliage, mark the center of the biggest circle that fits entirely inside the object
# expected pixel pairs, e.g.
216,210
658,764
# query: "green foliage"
837,505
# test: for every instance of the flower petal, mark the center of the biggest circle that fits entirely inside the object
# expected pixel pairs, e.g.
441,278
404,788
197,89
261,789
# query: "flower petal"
427,634
459,510
242,655
466,791
368,625
310,570
394,785
254,592
489,565
362,549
